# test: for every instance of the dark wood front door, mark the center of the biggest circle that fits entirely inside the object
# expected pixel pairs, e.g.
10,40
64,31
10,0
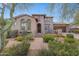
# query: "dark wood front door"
38,28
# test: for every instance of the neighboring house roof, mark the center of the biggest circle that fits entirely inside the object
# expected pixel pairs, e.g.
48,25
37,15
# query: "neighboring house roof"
58,26
61,24
74,27
48,17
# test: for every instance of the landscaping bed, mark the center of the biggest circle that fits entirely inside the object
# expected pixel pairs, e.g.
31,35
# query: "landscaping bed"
18,49
70,46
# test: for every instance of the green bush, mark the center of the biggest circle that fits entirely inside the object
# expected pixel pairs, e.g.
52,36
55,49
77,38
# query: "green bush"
70,36
19,38
56,48
18,50
24,37
48,37
69,40
71,49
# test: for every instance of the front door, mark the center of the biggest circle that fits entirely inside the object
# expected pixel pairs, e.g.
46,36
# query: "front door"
38,28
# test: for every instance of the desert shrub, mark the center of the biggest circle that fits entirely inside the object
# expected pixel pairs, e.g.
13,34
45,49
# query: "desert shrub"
12,34
19,38
18,50
48,37
70,35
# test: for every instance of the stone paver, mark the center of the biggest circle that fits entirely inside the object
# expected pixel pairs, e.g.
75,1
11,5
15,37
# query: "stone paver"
37,43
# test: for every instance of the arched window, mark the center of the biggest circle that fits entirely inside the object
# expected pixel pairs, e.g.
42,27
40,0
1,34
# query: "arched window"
23,25
26,25
29,24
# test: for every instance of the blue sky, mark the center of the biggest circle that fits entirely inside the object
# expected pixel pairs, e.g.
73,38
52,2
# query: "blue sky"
39,8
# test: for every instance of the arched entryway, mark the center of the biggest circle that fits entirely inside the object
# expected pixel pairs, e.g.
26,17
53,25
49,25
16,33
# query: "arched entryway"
38,28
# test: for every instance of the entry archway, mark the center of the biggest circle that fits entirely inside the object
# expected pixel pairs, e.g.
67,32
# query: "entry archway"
38,28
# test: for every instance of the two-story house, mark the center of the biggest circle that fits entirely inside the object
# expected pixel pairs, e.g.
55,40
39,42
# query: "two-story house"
38,24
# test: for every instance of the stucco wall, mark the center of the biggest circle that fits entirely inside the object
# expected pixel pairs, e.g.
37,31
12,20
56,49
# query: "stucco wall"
49,20
18,27
41,21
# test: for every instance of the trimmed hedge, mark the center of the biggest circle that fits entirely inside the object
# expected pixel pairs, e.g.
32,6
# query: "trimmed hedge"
70,35
19,38
48,37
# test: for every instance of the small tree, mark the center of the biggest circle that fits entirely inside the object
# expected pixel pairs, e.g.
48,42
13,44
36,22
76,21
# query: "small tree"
12,8
3,29
76,18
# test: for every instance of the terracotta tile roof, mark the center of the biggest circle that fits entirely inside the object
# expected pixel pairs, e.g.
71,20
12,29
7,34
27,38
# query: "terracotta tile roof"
38,14
22,16
32,16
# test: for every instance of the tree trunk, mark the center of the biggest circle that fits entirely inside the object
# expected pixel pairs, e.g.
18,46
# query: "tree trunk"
1,40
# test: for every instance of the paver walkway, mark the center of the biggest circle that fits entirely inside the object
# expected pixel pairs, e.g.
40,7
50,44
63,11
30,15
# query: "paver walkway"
36,46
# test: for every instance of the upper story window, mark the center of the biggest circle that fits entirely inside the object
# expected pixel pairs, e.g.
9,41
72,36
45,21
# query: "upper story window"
36,20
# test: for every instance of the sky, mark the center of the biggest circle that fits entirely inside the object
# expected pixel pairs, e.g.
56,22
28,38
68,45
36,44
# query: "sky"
38,8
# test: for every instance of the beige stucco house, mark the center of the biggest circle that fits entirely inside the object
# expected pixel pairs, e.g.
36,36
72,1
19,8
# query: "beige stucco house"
38,24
